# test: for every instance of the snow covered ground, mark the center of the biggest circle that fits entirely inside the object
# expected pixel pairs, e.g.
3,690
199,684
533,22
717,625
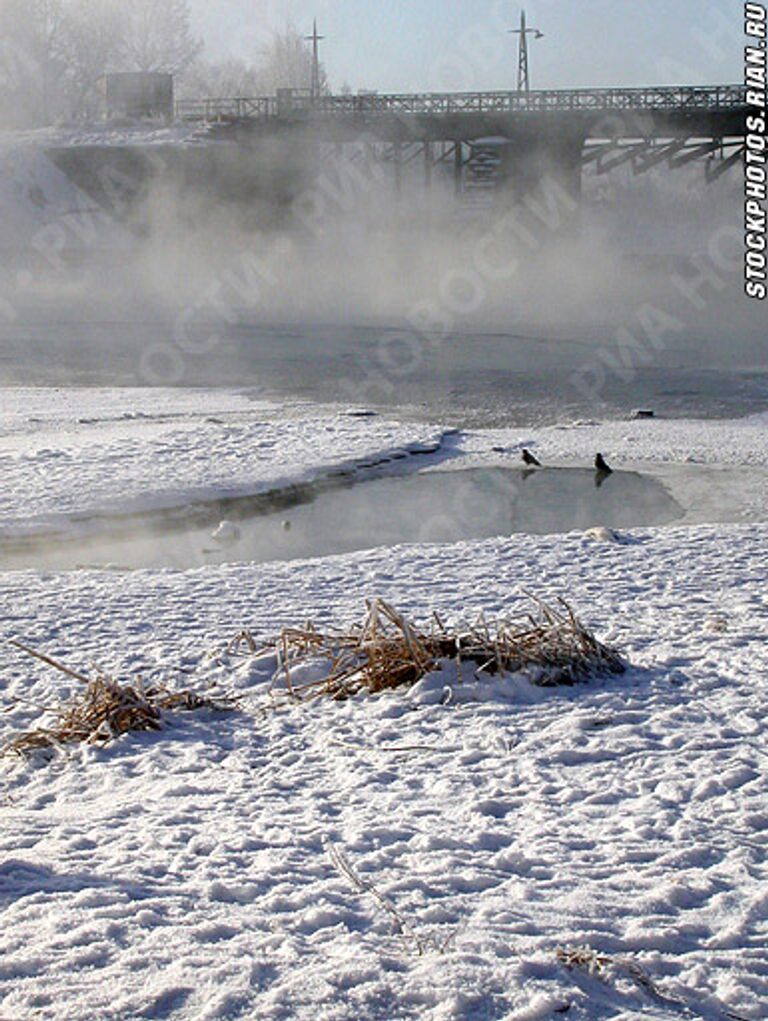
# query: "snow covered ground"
741,442
185,874
189,874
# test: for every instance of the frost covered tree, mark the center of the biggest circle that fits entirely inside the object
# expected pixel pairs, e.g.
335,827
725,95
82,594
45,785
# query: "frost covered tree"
284,63
157,36
92,46
55,53
103,36
31,61
222,79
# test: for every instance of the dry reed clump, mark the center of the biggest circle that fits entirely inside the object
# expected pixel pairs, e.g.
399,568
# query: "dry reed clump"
107,709
386,651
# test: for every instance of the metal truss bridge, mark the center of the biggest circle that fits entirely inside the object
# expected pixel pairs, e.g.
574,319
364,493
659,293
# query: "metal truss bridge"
562,129
497,143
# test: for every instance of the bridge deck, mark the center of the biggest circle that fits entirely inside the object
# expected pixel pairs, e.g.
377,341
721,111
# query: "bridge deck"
292,104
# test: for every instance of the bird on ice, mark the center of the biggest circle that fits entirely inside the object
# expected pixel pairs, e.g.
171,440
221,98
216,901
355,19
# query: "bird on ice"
530,459
602,465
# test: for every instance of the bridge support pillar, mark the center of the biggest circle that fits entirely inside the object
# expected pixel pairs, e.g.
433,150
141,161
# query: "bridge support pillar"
458,168
397,157
530,165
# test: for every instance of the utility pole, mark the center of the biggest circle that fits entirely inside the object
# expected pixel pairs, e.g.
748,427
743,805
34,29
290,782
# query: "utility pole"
523,73
315,39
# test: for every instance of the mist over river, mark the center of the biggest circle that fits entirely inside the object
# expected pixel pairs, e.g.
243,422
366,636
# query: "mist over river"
453,313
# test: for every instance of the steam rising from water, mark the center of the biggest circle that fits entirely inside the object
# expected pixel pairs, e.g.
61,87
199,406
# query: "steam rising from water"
345,280
430,507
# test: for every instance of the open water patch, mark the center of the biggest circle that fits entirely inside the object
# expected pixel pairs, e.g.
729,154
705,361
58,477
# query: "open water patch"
322,520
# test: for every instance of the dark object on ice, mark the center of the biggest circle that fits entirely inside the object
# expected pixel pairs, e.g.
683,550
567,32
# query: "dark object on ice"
643,413
530,460
499,450
602,465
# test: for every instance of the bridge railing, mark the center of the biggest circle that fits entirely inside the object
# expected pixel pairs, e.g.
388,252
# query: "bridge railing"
226,109
694,98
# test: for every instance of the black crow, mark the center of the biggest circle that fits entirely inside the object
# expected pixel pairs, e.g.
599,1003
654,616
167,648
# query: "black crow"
530,460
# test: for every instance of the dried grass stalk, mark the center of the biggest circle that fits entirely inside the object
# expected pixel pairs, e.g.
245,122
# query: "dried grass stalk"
386,651
107,709
609,968
421,944
583,958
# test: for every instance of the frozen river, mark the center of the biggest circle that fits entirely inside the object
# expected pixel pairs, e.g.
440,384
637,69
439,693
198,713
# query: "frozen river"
467,379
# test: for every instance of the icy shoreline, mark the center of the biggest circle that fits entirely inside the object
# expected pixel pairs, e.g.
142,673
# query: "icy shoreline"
70,455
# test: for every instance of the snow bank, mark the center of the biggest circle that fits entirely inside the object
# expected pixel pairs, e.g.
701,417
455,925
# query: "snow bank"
187,874
35,197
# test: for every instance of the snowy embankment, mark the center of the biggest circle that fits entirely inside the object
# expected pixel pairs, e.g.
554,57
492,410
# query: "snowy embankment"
80,453
187,874
36,196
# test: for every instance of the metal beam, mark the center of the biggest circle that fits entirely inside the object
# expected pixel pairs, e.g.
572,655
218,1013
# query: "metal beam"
657,154
625,154
458,168
695,153
716,168
595,152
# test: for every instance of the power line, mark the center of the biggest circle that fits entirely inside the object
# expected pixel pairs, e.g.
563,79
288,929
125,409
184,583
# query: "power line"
523,71
315,39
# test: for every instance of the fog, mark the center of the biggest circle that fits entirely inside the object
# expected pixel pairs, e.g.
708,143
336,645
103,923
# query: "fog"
304,268
156,254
